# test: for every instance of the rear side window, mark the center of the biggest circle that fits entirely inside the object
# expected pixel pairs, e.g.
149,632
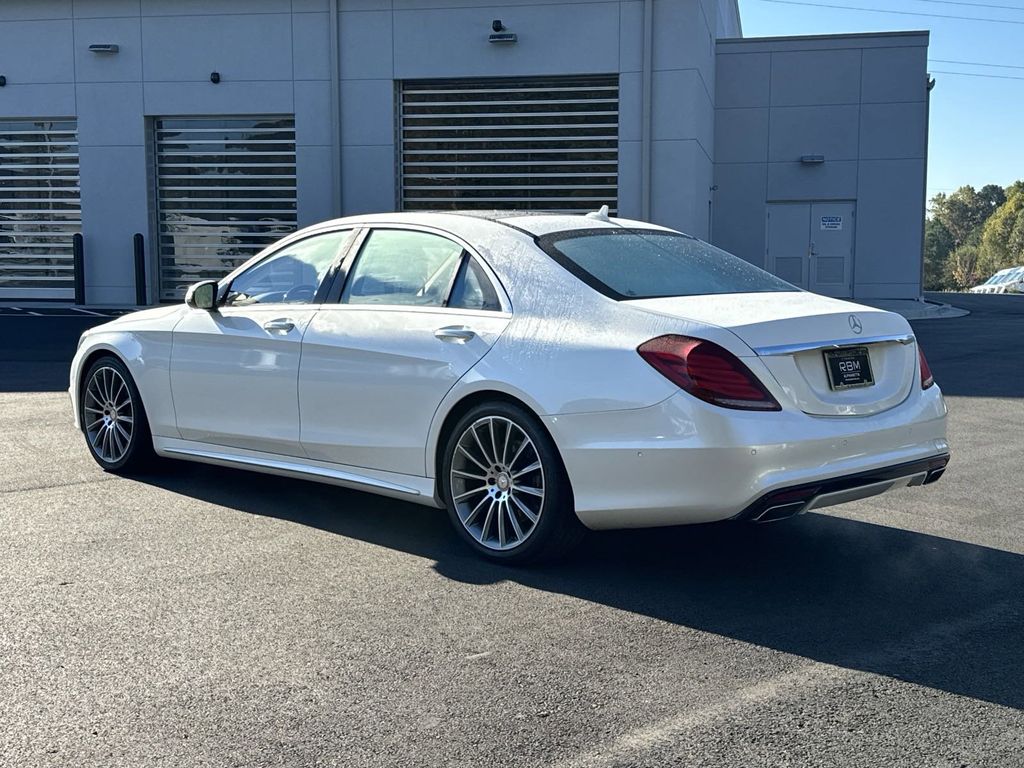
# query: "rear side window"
473,289
403,267
646,264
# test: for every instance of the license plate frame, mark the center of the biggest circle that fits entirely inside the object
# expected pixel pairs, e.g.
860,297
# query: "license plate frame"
848,368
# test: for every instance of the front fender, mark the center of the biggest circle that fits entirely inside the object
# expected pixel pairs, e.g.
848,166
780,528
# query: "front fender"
147,356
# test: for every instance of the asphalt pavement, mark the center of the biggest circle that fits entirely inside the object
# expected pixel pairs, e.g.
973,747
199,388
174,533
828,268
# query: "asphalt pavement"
204,616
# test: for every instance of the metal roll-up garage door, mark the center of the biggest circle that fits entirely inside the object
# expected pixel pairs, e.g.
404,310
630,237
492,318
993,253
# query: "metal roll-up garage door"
40,208
524,143
225,190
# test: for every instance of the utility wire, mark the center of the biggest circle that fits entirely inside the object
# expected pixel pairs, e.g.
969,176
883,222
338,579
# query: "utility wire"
897,13
975,63
974,74
974,5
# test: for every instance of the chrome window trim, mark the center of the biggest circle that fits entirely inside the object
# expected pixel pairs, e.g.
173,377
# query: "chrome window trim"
790,349
468,250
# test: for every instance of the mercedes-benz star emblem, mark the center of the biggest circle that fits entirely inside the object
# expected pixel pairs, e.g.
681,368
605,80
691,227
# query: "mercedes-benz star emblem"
855,325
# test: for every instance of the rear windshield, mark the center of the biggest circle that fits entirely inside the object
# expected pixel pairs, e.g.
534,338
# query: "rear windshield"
647,264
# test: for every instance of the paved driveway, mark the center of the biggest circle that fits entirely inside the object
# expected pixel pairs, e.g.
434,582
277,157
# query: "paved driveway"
213,617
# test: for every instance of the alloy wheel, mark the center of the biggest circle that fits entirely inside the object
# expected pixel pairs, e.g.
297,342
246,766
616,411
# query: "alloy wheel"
497,483
109,414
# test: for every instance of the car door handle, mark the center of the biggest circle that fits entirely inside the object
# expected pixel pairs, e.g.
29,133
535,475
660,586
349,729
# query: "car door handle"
455,333
282,324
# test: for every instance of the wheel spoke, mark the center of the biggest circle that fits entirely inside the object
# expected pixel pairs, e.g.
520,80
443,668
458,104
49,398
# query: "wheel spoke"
469,475
515,523
115,438
529,513
108,438
483,451
494,445
470,456
117,392
124,432
501,524
126,419
487,520
467,494
522,447
539,492
472,515
532,468
504,447
92,425
92,394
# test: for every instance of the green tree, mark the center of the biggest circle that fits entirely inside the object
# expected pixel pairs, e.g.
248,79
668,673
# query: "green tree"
938,243
1002,238
962,267
965,211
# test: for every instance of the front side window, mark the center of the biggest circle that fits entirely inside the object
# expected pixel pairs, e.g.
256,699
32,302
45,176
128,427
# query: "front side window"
403,267
646,264
290,276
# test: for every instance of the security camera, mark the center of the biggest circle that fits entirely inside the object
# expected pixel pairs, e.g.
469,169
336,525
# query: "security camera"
497,26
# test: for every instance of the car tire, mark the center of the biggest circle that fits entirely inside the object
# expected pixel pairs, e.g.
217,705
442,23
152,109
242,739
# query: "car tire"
506,488
113,418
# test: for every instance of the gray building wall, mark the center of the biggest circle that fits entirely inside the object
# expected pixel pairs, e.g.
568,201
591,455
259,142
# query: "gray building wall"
278,56
859,100
732,113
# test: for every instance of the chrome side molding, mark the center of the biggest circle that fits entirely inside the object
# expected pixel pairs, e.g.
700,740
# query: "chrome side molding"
791,349
292,468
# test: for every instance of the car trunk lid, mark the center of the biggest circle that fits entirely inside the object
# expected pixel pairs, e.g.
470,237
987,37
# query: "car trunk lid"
791,333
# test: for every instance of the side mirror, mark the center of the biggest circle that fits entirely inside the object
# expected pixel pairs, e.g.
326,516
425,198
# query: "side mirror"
202,295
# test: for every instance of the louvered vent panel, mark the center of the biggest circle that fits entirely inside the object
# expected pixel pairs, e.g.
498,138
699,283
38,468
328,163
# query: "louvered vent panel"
40,208
225,190
532,144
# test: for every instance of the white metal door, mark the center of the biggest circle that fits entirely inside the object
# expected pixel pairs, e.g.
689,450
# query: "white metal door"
811,245
831,249
225,190
787,228
40,208
524,143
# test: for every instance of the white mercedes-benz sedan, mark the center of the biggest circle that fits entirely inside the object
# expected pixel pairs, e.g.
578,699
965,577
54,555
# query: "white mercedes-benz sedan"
534,374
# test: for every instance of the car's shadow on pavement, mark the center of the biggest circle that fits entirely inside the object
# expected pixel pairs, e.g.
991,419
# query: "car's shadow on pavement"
932,611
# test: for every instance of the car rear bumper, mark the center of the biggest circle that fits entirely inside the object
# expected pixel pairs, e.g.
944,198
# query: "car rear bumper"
684,461
786,502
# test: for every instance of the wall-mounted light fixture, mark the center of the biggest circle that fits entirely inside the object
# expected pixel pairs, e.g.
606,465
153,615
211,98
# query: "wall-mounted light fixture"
500,35
812,159
104,48
3,80
215,77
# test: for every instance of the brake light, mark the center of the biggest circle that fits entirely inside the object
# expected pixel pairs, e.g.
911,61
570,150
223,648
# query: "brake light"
707,371
926,372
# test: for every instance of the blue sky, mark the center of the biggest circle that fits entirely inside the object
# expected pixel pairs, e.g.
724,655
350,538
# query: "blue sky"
977,123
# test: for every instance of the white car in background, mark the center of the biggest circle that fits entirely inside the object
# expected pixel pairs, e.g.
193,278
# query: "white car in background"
1009,280
532,374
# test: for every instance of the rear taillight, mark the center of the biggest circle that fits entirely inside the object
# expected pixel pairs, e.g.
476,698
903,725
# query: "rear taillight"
707,371
926,373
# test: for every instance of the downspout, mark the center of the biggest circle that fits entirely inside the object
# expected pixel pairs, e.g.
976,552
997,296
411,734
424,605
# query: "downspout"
335,106
645,135
930,83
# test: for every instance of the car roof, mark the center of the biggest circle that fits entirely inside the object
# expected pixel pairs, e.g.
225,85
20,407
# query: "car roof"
533,223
